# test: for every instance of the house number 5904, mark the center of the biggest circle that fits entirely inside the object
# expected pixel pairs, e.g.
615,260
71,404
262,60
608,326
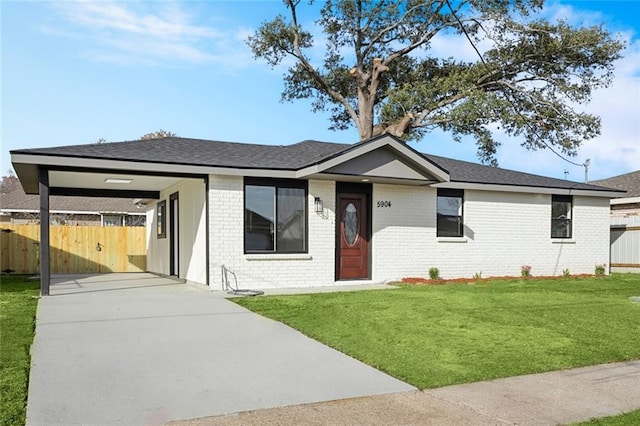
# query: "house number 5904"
384,203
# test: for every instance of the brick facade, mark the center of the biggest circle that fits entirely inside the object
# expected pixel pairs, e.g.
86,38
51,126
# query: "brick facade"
625,210
226,222
502,232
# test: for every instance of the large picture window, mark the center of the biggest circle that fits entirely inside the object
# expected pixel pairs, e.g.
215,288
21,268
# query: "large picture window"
561,216
275,216
449,210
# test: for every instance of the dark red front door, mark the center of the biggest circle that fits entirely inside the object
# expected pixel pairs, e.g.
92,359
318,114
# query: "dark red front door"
352,260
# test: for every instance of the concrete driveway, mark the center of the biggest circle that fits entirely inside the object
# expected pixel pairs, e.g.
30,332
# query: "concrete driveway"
139,349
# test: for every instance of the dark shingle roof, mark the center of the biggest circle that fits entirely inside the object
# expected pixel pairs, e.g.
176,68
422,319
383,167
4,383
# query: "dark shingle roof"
201,152
464,171
18,200
629,182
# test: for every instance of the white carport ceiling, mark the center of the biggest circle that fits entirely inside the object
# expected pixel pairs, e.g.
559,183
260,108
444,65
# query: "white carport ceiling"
92,180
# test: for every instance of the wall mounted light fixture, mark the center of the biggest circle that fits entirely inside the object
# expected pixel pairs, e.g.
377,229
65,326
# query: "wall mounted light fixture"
318,204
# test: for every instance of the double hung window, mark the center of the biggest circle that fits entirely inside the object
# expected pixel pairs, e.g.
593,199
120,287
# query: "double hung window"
449,210
275,216
561,216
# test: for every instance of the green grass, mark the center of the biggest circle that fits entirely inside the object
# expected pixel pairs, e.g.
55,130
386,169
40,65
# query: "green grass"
439,335
628,419
18,302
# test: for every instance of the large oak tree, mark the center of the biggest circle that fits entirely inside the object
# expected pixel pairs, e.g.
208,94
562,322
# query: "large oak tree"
380,74
158,134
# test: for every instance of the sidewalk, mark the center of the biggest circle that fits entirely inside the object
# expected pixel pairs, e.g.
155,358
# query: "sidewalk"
552,398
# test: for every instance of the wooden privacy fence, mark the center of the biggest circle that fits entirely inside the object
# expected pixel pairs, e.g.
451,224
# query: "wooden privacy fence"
75,249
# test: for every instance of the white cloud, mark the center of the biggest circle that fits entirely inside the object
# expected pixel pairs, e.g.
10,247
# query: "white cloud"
558,11
617,150
168,22
457,47
147,33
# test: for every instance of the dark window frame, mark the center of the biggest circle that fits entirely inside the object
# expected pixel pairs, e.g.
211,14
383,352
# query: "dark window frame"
276,183
134,220
106,217
161,219
451,193
568,221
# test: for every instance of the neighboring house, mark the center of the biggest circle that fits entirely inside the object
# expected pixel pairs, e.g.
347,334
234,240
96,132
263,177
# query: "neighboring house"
625,222
18,208
322,214
627,205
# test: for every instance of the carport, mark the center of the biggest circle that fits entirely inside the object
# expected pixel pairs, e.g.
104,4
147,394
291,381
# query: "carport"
101,170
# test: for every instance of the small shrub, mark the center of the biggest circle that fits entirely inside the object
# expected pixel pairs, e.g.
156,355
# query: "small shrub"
477,275
434,273
566,273
525,271
601,269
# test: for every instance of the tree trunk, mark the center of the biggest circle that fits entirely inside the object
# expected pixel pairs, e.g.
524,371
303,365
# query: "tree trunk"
397,129
365,114
367,89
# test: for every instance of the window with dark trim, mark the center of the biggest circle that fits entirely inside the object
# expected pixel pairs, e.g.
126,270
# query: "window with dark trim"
135,220
275,216
112,220
561,206
449,211
161,216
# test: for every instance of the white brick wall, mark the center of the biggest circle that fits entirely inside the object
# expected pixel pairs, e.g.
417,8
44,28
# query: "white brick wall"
269,270
503,231
403,234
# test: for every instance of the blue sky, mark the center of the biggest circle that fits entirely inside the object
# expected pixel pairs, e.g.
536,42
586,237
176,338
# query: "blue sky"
74,72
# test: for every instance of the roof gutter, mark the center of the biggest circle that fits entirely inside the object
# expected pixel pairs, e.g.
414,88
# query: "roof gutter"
527,189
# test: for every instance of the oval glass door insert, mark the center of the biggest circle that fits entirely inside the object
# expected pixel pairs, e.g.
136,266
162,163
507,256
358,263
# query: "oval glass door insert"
351,224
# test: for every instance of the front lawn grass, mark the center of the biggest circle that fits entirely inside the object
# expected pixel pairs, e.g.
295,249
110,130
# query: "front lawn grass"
431,336
18,302
628,419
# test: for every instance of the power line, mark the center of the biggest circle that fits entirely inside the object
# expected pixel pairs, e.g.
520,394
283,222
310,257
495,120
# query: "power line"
507,97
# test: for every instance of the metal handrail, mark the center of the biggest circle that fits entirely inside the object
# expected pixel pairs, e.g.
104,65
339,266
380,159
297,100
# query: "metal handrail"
234,289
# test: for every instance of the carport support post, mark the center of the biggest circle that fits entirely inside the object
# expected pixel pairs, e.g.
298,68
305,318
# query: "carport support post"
45,267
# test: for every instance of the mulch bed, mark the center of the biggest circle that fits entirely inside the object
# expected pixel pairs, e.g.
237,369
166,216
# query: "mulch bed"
428,281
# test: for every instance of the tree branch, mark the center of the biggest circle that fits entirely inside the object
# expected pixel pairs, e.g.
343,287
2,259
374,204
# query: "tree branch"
424,39
310,69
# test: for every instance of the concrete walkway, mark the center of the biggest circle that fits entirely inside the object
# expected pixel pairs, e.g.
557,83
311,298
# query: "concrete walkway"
138,349
539,399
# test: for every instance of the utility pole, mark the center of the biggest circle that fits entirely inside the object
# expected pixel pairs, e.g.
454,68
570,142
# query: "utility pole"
586,170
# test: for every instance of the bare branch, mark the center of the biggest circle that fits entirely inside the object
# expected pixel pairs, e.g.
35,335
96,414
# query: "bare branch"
310,69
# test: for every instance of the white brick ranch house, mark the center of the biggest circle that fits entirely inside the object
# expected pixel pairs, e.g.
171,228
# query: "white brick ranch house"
321,214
